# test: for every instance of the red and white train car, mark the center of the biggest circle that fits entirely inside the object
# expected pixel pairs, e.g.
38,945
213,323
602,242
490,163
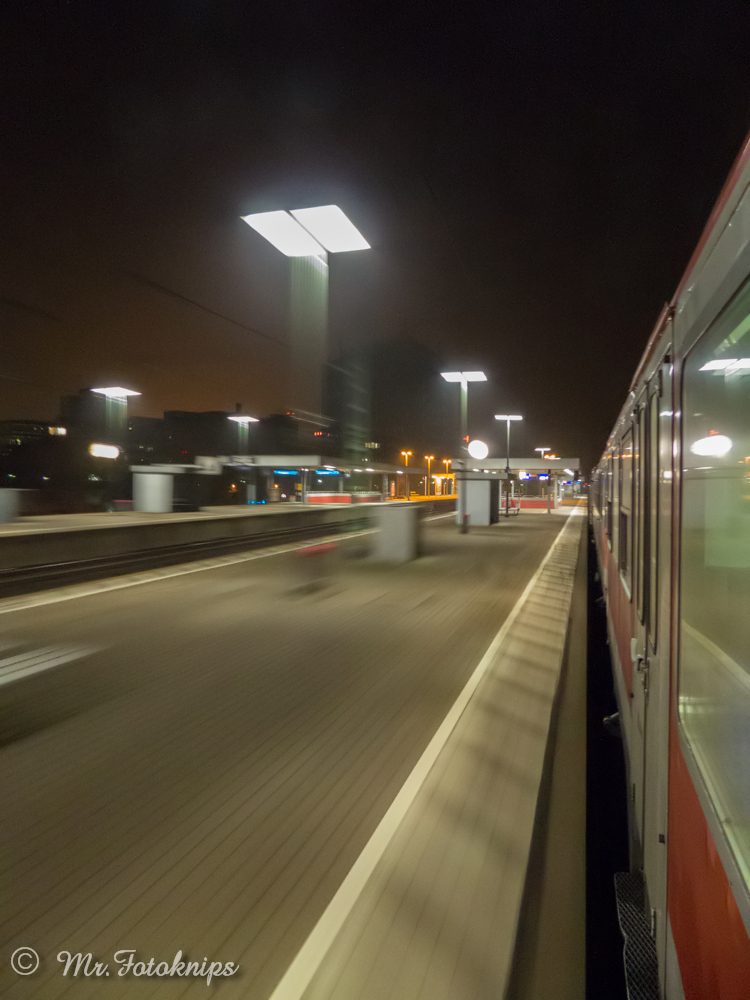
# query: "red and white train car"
671,515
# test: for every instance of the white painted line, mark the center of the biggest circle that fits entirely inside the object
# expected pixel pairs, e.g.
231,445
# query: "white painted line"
300,973
13,668
74,591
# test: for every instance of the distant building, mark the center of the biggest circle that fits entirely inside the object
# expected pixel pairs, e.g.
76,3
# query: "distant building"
85,415
146,440
347,401
18,432
187,434
389,397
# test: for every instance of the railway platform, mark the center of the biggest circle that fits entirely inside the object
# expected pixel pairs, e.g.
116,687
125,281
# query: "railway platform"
352,792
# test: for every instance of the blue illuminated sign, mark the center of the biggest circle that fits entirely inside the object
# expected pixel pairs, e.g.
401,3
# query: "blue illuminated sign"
284,472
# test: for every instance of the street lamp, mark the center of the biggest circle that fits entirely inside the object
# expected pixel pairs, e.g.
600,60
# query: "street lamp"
310,234
446,463
507,417
406,455
429,459
543,452
463,378
115,410
116,392
243,426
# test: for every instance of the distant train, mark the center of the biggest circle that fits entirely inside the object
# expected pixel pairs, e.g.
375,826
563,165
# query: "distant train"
670,505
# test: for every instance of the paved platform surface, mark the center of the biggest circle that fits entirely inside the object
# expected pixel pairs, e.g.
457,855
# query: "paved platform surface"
196,764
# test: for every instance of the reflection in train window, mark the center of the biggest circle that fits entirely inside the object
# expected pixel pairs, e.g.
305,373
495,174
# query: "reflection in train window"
640,511
626,503
653,518
714,676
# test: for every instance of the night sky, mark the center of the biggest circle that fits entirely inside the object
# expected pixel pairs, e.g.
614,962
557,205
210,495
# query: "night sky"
532,177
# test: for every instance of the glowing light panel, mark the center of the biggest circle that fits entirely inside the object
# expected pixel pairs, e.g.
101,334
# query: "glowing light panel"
283,232
714,444
238,418
331,228
116,392
717,366
464,376
104,450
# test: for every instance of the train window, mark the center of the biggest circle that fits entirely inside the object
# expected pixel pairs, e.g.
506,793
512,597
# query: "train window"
653,516
640,510
616,482
625,542
714,669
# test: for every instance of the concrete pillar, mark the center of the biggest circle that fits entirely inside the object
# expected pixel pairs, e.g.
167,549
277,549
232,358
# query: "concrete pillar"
397,537
9,505
153,492
476,503
384,489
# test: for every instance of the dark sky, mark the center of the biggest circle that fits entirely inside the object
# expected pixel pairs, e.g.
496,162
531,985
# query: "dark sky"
532,177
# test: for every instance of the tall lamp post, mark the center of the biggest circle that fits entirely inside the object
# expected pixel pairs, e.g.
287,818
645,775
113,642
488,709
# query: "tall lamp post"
543,452
243,427
406,455
507,418
463,378
429,459
309,233
447,463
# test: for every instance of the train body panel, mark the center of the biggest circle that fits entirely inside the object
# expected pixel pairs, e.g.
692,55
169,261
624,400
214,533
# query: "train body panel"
671,518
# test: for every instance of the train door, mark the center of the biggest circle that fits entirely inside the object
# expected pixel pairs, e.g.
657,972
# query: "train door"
651,673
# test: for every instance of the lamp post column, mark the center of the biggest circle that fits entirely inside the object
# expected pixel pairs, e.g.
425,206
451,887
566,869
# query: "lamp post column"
507,467
549,486
464,433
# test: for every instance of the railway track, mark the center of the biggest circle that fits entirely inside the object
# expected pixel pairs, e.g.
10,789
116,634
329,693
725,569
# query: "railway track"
42,576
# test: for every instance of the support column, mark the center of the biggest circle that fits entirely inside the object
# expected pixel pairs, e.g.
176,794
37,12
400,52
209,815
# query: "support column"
308,332
9,505
153,492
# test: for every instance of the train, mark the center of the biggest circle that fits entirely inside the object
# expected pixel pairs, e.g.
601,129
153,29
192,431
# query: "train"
670,514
